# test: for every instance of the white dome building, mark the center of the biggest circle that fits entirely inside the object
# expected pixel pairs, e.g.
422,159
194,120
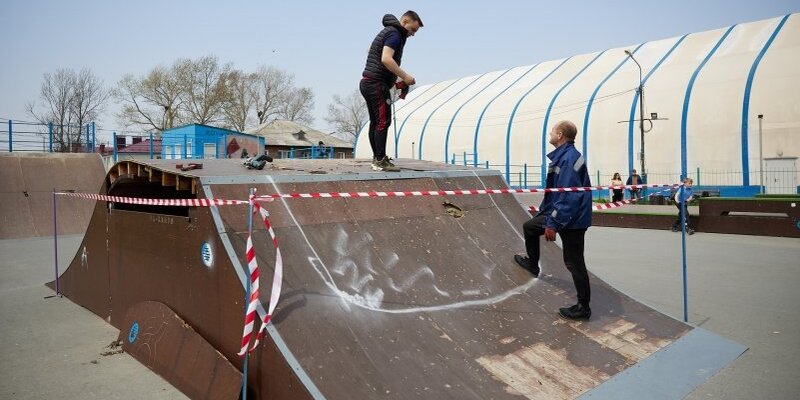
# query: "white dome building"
706,88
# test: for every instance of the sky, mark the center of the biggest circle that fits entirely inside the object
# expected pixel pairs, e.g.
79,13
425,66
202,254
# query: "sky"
324,43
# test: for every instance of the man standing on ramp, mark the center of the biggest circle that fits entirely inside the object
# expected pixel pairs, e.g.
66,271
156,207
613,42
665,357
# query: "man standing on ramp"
568,213
379,76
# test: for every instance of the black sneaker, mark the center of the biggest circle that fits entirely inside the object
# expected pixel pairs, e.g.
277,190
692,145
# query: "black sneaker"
384,164
576,312
526,263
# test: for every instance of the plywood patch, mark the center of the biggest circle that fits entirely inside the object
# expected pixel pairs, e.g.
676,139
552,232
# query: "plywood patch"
625,338
539,372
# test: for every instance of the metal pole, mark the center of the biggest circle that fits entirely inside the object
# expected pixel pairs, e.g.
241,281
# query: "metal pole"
641,121
394,126
87,138
55,241
683,248
10,140
525,174
641,113
247,290
114,145
50,129
151,145
94,136
412,150
698,176
760,154
597,182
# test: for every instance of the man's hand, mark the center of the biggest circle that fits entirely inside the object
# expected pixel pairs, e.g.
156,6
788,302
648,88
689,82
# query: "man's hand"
409,80
550,234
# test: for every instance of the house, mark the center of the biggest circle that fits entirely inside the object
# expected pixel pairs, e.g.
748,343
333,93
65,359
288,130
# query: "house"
203,141
289,139
139,149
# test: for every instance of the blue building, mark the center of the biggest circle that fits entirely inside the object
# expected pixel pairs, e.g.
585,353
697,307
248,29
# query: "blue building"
203,141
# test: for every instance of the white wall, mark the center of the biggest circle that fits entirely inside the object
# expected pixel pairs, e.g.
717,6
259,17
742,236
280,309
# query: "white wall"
516,103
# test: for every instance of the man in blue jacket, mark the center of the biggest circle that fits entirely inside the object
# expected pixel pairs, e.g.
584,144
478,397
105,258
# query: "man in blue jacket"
568,213
380,73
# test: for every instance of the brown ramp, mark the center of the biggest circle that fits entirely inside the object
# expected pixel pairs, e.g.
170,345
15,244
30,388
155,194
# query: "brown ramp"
414,297
27,181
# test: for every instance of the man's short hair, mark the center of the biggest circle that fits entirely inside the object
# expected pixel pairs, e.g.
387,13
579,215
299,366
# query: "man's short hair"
568,129
412,15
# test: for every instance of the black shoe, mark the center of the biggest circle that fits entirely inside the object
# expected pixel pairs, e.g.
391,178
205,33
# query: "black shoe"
578,311
690,231
526,263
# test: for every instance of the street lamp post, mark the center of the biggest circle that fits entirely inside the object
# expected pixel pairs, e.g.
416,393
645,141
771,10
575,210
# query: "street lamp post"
760,153
641,112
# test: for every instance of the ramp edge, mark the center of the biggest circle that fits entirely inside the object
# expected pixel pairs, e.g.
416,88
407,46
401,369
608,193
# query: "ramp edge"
674,371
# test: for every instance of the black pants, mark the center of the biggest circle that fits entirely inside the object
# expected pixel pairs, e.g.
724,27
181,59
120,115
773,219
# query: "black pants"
677,223
376,94
573,240
617,195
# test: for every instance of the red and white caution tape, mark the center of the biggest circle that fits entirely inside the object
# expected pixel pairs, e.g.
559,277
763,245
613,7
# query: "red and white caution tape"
615,204
156,202
277,282
459,192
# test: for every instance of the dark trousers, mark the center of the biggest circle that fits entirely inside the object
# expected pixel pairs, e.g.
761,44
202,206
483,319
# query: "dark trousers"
677,223
617,195
573,240
376,94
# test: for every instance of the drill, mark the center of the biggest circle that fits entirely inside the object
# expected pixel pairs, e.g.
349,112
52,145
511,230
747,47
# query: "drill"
403,88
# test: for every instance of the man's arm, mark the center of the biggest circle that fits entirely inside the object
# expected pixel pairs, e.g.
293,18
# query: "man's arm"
387,58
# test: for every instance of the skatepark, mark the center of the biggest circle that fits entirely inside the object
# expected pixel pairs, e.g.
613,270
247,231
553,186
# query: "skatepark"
383,297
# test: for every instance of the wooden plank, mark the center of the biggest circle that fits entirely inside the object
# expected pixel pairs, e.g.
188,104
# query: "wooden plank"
155,175
168,180
183,183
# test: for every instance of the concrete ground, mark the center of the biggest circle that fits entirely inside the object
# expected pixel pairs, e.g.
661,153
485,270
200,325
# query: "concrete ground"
741,287
52,347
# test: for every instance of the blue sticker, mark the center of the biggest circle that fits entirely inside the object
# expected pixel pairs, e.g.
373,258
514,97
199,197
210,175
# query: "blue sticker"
797,224
206,254
133,333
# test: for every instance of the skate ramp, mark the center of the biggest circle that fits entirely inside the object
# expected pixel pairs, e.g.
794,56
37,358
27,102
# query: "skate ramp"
383,297
27,181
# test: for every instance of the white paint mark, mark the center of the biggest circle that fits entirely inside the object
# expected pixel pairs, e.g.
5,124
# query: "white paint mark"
413,279
372,299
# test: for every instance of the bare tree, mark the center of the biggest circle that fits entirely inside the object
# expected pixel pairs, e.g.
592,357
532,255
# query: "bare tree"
270,89
298,106
203,94
150,102
239,101
69,100
88,98
348,114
